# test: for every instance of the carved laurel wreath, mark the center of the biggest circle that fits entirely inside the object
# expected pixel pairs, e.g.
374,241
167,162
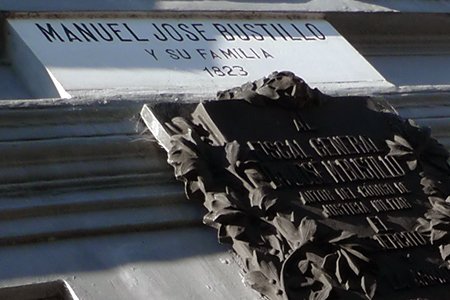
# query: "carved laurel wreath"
424,153
288,256
284,254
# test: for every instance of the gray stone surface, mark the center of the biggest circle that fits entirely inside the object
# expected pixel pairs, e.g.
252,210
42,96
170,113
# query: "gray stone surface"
304,5
86,197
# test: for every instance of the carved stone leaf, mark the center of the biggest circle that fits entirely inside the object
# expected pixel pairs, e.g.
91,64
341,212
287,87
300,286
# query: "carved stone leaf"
178,125
436,200
440,207
183,158
232,152
216,201
187,126
306,230
222,233
412,164
350,261
225,95
424,226
402,149
357,254
236,232
434,187
399,147
268,92
282,83
210,219
259,282
221,210
255,175
445,251
402,142
298,284
412,123
322,294
441,224
303,265
369,286
275,245
344,238
242,248
180,152
428,186
268,202
259,83
269,268
193,187
283,88
342,268
288,230
325,279
262,198
296,237
434,216
437,235
314,258
329,261
250,96
229,216
183,169
173,128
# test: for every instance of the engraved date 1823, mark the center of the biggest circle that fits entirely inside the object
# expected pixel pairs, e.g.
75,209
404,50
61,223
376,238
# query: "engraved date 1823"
223,71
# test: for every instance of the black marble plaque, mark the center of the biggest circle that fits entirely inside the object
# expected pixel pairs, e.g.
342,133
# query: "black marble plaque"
321,197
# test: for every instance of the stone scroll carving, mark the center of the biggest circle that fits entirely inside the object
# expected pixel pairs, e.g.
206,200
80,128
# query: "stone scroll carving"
288,253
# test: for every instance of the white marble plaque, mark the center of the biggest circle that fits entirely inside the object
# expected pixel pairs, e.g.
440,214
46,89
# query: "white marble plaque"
192,56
